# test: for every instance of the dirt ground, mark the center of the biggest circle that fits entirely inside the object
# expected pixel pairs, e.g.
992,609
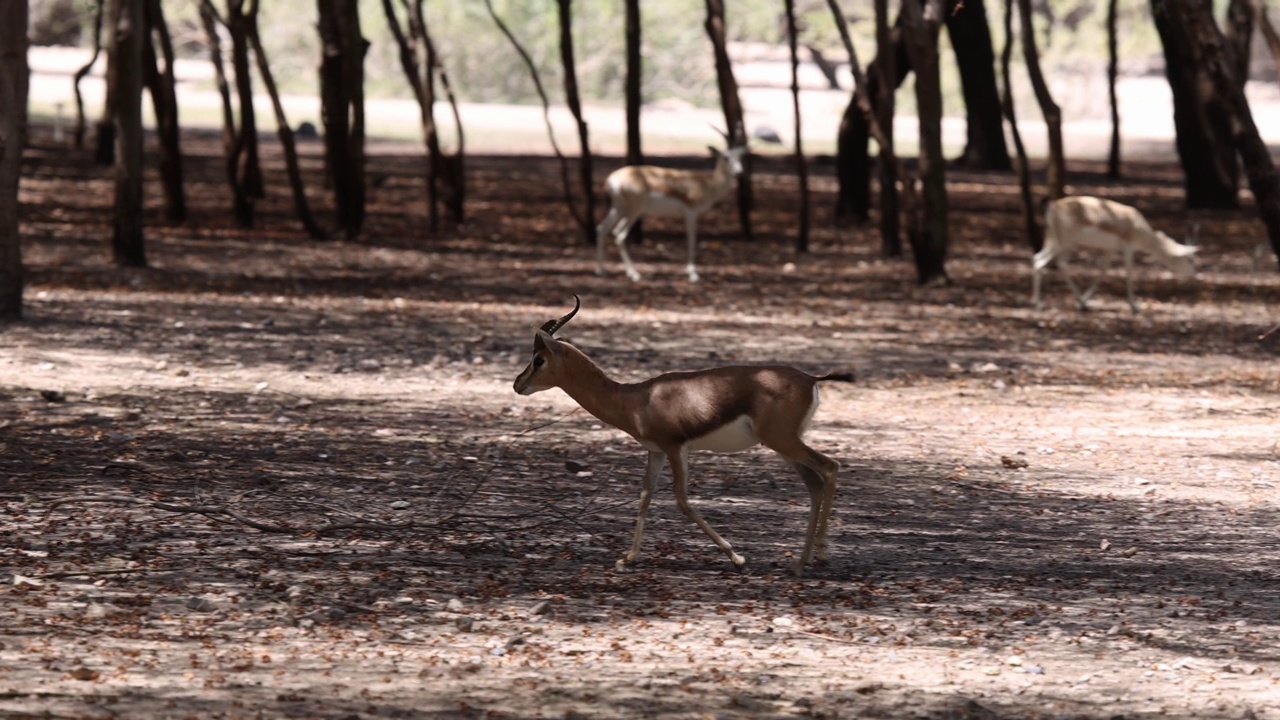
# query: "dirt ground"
272,478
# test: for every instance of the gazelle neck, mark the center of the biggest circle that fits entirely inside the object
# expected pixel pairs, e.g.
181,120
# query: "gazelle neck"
595,391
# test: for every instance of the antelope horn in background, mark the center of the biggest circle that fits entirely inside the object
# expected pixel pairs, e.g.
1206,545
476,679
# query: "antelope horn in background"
551,326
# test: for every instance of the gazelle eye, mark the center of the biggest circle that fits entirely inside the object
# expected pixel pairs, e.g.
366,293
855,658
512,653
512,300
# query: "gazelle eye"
538,361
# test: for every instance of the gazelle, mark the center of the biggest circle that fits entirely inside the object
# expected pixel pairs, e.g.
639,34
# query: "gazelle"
637,190
1082,221
726,409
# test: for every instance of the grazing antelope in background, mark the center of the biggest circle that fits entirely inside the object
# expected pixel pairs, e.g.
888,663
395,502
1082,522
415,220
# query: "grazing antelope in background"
1090,222
727,409
637,190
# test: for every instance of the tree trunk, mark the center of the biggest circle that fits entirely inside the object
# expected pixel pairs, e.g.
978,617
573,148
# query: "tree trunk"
248,166
14,88
1193,23
853,162
282,129
1056,172
342,108
876,124
104,152
1035,238
890,169
985,148
546,113
1239,38
920,32
421,78
575,107
1113,72
84,70
164,101
635,154
209,18
125,60
732,106
802,169
1200,118
453,169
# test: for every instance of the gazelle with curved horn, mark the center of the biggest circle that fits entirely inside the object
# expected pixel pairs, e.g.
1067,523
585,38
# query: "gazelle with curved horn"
1082,221
725,409
637,190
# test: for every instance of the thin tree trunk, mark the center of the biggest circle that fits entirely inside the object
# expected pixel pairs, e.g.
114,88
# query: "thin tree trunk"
125,56
546,115
421,80
975,57
1035,237
164,101
1239,38
282,129
210,19
802,169
105,128
1056,171
732,107
879,122
453,167
248,165
84,70
1113,72
920,32
1210,53
14,89
575,107
634,101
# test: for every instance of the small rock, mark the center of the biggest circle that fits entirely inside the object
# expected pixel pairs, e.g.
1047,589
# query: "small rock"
200,604
574,466
400,505
540,608
53,396
21,580
464,623
783,621
455,605
337,613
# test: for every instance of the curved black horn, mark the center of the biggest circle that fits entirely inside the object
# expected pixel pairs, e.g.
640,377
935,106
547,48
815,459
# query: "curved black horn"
551,326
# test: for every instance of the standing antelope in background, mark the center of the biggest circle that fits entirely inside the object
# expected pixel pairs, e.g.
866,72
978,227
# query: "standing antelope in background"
637,190
725,409
1091,222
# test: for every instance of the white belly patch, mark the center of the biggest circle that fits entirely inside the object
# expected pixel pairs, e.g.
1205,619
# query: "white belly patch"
737,436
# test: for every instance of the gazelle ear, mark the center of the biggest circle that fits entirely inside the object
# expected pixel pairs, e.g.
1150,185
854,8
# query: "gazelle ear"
543,341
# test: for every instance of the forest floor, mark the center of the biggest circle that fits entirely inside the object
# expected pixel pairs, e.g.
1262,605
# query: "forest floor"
272,477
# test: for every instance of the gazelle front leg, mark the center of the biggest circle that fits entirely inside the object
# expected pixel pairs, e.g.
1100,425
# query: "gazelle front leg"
652,469
679,481
1128,278
691,233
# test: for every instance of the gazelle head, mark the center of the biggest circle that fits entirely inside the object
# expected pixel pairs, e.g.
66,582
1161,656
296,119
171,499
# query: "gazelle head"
732,157
1181,258
541,372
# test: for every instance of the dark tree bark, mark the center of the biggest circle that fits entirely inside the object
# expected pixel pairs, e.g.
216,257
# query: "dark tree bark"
546,114
1035,236
1192,21
853,162
1056,171
164,101
920,32
1201,120
879,123
210,19
104,152
575,107
635,153
342,108
1239,38
890,169
249,167
125,72
1113,72
732,106
14,88
421,78
283,129
802,169
970,34
453,168
84,70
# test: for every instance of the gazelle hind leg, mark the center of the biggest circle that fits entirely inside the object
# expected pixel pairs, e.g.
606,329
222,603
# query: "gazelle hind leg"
605,228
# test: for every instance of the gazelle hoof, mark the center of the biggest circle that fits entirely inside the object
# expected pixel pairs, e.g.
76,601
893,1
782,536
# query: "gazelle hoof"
635,276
